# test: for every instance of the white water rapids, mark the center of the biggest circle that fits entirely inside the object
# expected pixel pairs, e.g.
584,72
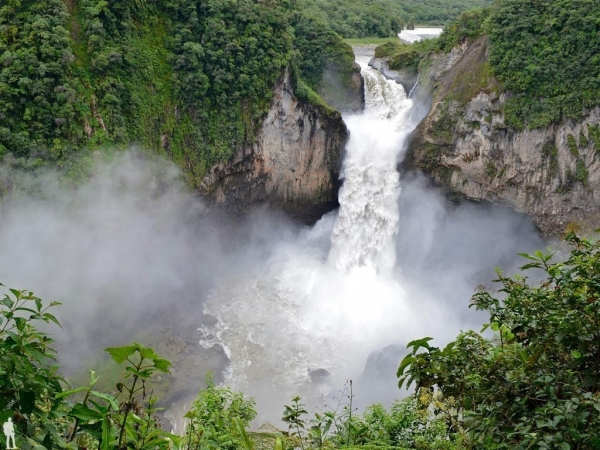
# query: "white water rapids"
297,310
328,299
368,218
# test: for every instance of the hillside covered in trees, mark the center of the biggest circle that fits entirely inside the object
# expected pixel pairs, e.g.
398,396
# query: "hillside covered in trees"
545,54
385,18
192,80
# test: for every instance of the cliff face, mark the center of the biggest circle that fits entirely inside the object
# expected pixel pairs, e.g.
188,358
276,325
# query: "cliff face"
344,92
552,174
293,165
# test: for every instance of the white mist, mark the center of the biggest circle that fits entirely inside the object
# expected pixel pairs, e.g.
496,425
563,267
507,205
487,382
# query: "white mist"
319,307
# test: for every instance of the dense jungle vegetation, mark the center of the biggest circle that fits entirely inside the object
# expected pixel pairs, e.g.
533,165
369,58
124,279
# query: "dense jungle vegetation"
547,54
531,381
189,79
544,53
192,80
385,18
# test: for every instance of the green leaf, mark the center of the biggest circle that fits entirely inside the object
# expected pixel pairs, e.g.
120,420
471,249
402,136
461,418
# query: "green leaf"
84,413
48,316
70,392
135,419
153,443
35,445
146,352
111,400
162,364
120,354
6,301
27,401
418,343
106,442
245,439
406,361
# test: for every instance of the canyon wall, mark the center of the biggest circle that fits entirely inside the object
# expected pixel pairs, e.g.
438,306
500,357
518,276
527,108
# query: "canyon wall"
293,165
552,174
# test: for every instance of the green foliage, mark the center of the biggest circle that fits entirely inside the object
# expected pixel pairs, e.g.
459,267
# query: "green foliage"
594,134
535,385
385,18
389,48
191,79
306,94
534,46
292,415
127,422
583,140
467,27
37,101
491,170
357,18
581,172
318,49
406,56
546,54
409,423
29,378
550,152
32,394
218,418
228,55
572,144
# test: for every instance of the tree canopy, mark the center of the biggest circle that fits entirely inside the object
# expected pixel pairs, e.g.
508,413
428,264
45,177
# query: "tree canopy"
193,79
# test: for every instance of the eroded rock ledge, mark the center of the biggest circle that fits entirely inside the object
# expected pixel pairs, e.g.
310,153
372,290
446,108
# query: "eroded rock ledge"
293,165
552,174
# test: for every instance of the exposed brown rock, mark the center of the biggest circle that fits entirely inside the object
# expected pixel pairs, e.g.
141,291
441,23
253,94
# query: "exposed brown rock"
465,145
293,165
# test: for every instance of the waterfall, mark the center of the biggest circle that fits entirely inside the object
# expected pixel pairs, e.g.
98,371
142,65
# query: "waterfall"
326,299
415,87
368,216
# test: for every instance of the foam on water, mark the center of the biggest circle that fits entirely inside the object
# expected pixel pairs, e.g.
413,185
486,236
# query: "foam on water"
317,307
368,217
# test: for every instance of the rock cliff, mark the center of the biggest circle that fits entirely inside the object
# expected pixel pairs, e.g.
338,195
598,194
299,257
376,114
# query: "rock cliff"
552,174
293,165
344,92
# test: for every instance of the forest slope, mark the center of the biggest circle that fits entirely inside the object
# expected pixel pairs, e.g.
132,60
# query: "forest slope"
193,80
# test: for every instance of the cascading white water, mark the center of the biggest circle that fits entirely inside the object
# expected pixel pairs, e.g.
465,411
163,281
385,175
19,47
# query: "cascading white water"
308,320
368,216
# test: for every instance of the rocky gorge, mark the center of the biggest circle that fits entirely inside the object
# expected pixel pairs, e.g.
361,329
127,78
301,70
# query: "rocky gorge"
464,144
294,163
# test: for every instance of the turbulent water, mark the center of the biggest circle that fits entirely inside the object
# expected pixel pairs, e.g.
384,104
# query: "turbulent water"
368,218
327,299
298,310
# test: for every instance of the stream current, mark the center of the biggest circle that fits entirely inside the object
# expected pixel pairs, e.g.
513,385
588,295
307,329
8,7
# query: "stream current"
330,297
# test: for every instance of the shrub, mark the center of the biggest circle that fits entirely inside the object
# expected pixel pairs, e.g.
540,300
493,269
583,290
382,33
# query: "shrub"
535,384
213,416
